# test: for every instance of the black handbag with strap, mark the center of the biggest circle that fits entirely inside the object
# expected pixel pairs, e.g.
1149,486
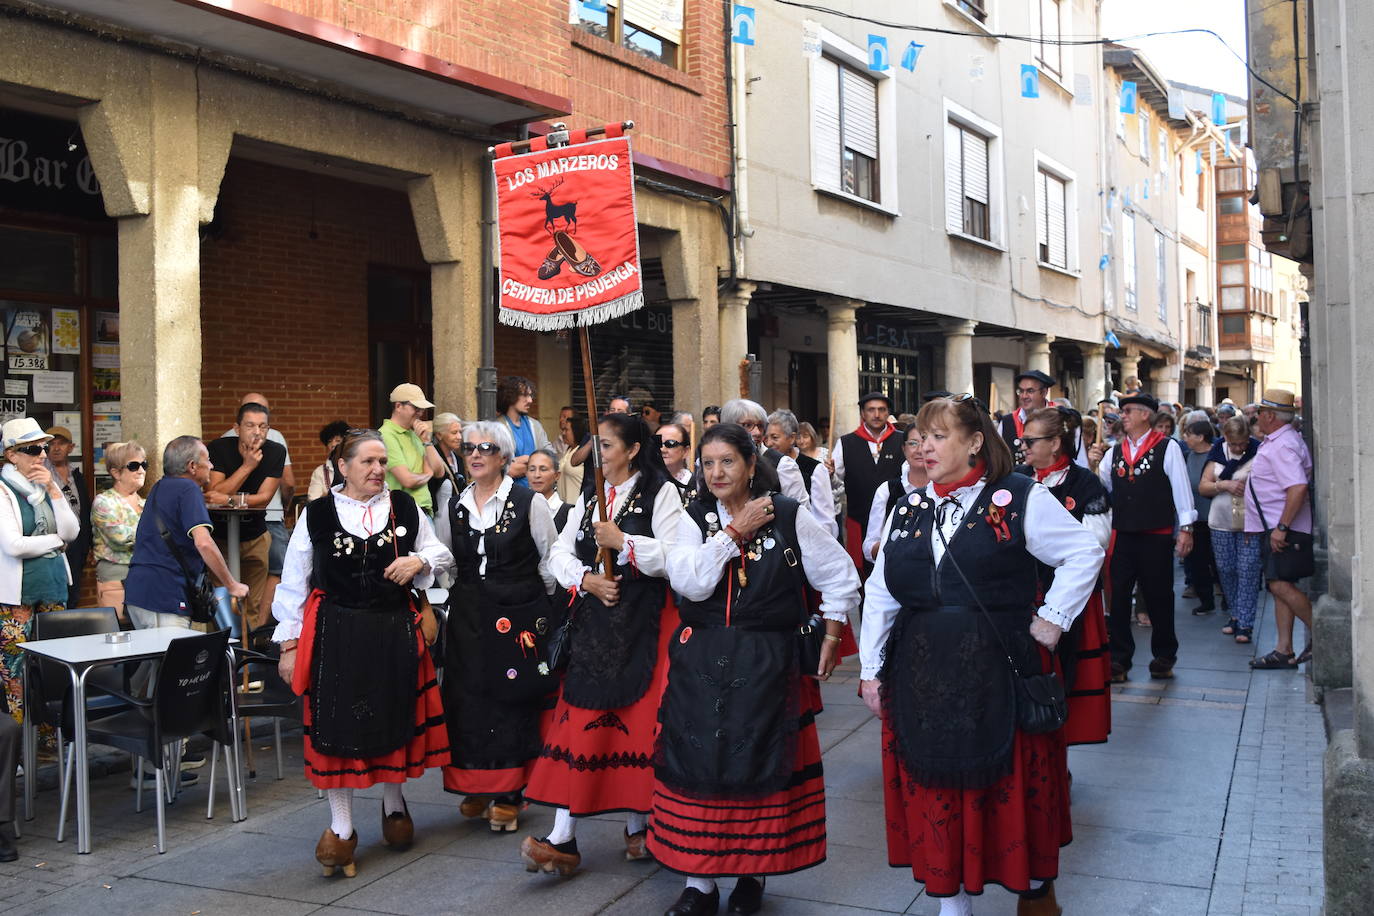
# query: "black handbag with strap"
1294,562
200,592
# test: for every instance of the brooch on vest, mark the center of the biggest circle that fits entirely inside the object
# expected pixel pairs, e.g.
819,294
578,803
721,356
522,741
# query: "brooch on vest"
997,516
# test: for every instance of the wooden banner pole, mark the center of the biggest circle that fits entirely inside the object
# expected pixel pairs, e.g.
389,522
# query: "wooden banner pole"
834,425
607,563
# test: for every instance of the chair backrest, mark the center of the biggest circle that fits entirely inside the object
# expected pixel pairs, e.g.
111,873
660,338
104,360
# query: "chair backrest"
190,695
53,680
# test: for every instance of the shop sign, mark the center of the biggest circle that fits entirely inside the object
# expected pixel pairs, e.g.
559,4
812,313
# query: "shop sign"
44,167
875,334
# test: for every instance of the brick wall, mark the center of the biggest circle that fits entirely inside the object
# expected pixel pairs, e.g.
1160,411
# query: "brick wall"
680,114
286,314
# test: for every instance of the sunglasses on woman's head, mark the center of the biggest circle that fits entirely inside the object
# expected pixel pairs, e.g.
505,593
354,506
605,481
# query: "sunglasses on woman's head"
486,448
136,466
33,450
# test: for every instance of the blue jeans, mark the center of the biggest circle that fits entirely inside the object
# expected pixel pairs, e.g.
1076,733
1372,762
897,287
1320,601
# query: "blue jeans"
276,554
1240,567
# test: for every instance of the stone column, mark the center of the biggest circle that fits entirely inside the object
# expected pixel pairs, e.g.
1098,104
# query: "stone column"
734,336
1094,374
1038,352
959,355
1130,366
1166,387
696,347
147,154
1206,388
842,361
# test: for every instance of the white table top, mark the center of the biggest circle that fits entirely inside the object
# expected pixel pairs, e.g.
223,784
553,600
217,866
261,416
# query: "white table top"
93,649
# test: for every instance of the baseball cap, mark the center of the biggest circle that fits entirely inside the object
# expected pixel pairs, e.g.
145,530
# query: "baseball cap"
411,394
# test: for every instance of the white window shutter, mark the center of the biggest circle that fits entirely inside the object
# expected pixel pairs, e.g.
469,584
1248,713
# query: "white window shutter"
1144,117
1128,266
1042,218
975,149
1056,194
954,180
825,123
860,97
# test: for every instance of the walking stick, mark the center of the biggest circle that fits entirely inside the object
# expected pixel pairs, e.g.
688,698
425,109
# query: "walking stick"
607,564
247,722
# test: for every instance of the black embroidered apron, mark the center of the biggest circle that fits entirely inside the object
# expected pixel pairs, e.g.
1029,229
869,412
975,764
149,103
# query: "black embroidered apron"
496,675
614,648
730,714
365,666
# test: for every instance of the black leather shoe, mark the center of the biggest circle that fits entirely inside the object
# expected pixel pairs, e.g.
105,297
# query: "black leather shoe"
7,851
1162,668
747,897
694,903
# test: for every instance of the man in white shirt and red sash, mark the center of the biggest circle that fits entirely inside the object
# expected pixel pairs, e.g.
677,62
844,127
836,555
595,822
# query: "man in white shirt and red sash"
1152,498
865,460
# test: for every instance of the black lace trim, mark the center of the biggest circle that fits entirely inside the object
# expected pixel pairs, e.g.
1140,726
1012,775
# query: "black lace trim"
596,762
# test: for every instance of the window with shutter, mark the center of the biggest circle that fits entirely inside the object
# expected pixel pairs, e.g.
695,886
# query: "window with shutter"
1162,276
974,184
859,132
1048,52
1144,117
650,28
1128,265
1052,200
825,123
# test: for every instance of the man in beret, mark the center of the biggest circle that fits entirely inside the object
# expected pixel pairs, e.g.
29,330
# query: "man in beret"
1152,497
1032,393
865,460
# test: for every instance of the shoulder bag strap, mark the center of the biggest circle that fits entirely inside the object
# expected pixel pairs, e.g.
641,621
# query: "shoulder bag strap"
172,546
1250,483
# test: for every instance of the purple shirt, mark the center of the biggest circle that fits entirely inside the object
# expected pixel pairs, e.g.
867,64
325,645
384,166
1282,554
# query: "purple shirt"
1281,462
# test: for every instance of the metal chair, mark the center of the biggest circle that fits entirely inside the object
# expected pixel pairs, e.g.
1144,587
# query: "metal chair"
190,697
275,701
48,693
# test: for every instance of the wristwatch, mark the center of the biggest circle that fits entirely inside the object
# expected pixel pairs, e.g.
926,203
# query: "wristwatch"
1186,529
1282,527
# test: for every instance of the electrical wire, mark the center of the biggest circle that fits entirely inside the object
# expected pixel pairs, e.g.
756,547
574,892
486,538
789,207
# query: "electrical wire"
1039,39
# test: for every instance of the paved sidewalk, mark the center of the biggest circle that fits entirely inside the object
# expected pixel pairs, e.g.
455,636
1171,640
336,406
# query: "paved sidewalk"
1206,800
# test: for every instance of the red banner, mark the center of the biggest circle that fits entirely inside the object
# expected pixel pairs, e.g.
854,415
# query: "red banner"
568,239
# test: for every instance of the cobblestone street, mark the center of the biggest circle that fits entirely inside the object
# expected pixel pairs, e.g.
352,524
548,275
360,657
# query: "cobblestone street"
1206,800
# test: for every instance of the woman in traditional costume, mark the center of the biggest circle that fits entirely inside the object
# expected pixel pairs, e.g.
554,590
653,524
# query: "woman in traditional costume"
739,789
972,797
597,755
1051,436
353,643
497,684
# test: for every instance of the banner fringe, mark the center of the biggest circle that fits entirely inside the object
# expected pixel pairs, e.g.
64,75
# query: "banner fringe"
557,321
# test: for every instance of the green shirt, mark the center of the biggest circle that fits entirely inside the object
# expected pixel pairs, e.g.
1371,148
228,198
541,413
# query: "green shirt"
404,449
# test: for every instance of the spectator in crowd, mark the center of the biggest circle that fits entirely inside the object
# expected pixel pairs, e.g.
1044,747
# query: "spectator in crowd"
447,444
249,463
559,445
72,483
327,474
1130,386
570,470
809,443
36,525
1237,553
114,519
674,448
618,404
1165,424
514,398
652,415
1277,507
276,509
155,591
1201,563
710,416
406,437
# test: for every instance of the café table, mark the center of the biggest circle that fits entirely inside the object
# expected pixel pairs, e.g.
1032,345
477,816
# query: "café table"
233,519
80,655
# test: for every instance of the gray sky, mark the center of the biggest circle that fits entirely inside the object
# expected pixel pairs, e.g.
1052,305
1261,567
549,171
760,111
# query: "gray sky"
1197,59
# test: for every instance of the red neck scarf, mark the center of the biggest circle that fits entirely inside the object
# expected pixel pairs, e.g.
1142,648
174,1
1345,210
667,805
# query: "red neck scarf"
1019,423
973,476
1150,441
1059,465
863,433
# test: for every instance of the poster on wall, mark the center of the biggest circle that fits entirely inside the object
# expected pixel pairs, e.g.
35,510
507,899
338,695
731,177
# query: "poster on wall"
72,420
54,388
26,341
105,350
105,428
19,386
12,409
66,332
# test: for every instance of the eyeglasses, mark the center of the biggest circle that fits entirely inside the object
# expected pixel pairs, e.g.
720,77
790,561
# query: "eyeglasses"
912,443
1031,440
136,466
751,424
32,450
671,443
486,448
1028,390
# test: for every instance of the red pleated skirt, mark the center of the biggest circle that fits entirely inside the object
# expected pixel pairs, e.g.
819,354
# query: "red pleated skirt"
774,835
596,761
1009,833
495,782
428,748
1090,701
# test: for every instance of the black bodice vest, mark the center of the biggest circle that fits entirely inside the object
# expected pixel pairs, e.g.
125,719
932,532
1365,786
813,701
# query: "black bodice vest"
348,568
1142,498
863,476
772,597
615,647
510,550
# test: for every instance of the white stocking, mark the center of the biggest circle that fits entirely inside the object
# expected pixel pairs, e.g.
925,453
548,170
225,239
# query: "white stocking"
392,800
341,812
705,885
564,827
961,904
636,822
